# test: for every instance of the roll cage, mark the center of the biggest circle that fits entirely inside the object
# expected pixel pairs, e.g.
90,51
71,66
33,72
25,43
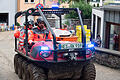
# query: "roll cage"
58,12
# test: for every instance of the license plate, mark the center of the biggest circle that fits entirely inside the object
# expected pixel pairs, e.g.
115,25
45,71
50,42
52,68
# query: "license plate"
70,46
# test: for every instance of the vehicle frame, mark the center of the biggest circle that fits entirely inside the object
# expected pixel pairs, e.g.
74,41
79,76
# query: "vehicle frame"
55,64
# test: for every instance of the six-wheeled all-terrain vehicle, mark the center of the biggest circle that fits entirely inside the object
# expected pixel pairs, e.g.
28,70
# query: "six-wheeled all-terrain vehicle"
63,57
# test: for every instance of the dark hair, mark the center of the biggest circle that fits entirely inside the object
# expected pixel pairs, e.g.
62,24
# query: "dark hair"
115,32
39,20
65,26
98,35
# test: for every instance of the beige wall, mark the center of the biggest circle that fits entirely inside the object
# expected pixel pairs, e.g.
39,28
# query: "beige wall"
64,5
23,6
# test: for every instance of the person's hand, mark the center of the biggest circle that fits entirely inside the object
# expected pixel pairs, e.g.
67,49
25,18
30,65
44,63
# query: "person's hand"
30,42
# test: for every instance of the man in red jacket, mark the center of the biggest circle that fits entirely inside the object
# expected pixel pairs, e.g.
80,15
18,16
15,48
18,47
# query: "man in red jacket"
21,34
41,33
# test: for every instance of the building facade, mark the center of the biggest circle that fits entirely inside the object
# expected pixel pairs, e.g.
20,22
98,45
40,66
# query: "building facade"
106,23
8,9
96,2
26,4
111,2
104,2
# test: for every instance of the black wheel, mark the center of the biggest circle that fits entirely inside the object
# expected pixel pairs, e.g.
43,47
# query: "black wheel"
36,73
16,63
20,60
88,72
24,70
27,75
27,72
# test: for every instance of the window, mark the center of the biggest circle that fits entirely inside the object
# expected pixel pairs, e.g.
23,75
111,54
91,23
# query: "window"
26,0
95,0
114,37
32,0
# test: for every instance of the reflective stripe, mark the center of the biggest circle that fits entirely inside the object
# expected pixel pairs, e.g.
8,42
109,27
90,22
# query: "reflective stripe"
20,37
21,40
22,33
21,43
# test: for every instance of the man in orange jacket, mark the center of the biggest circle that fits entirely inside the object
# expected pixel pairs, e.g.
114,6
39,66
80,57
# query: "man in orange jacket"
21,34
41,33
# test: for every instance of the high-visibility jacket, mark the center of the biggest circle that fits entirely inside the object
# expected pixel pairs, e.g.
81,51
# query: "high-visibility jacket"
16,33
41,35
22,36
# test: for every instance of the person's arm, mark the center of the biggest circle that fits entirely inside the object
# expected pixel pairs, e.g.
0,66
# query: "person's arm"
30,37
16,33
50,36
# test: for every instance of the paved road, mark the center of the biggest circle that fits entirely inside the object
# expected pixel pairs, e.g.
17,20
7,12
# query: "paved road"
6,61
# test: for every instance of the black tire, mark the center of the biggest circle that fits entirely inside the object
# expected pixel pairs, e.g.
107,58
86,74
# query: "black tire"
88,72
36,73
20,61
16,63
24,70
27,75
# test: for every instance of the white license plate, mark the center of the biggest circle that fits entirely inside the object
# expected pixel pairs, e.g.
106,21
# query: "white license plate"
70,46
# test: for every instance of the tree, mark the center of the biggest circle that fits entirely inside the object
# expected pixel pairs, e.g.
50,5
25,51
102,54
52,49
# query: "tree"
85,8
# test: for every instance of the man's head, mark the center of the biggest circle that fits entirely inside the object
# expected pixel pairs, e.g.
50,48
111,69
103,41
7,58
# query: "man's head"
40,23
98,36
31,24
